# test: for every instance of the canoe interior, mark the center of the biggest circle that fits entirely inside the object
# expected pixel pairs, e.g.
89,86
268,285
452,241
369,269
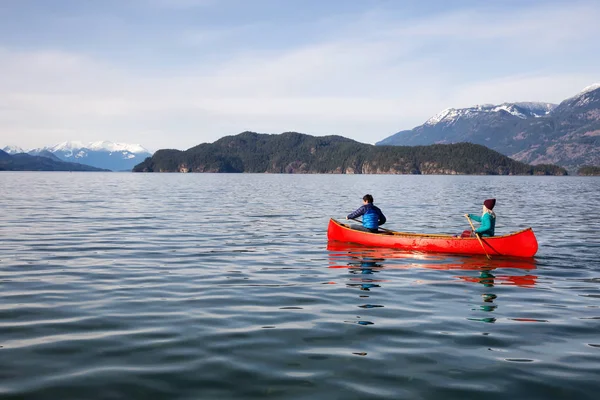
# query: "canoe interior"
388,232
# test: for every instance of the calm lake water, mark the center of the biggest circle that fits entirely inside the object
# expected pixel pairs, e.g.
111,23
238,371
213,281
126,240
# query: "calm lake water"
204,286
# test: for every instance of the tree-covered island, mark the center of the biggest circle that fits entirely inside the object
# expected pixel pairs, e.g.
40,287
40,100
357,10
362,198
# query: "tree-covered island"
589,170
298,153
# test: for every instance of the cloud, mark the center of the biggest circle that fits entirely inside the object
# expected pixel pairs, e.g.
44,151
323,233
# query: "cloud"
372,78
529,24
552,88
177,4
199,37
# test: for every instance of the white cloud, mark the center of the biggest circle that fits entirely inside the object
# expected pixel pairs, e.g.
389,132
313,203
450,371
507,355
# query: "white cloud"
177,4
211,36
551,88
366,84
536,24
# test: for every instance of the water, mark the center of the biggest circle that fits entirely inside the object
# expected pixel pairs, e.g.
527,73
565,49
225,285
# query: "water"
188,286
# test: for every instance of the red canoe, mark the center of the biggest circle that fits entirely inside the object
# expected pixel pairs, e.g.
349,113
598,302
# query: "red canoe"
518,244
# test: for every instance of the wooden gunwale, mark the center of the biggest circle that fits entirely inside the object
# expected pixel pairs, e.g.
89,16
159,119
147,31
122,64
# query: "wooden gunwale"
426,235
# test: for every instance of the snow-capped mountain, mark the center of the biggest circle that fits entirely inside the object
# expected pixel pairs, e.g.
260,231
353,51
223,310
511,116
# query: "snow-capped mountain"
587,98
567,134
482,124
590,88
96,146
104,154
13,150
522,110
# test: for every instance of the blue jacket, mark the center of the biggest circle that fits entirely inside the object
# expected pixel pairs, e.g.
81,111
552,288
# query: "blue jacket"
488,223
372,216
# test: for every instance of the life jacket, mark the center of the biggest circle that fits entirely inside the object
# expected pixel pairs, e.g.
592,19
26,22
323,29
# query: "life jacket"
370,218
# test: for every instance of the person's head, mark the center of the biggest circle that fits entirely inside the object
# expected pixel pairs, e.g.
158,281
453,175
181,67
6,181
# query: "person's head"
489,204
367,198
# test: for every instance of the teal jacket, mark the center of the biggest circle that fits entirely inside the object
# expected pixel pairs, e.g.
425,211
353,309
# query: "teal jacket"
488,223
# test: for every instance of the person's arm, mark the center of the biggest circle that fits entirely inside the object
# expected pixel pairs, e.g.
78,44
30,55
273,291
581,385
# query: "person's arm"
382,218
360,211
475,218
486,224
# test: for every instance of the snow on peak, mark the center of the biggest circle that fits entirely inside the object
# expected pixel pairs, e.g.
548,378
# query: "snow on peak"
581,99
509,108
448,112
113,147
590,88
66,146
521,110
537,107
10,149
105,145
527,109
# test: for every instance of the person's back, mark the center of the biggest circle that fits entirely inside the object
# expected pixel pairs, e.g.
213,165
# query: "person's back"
372,217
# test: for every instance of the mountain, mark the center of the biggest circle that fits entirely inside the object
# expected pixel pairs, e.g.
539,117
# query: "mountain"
13,150
47,154
105,155
293,152
483,123
27,162
567,134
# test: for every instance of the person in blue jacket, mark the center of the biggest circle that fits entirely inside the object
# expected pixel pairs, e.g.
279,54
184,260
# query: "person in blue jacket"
372,217
487,219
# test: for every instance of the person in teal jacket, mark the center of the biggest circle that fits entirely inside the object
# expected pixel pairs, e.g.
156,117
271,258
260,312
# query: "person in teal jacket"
487,219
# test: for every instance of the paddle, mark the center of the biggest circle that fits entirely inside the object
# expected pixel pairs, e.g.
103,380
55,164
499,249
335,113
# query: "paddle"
383,229
478,238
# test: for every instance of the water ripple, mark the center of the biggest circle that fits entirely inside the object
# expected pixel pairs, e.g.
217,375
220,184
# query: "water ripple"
223,286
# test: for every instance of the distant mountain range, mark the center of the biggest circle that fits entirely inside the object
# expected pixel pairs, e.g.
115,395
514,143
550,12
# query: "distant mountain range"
45,161
104,155
297,153
567,134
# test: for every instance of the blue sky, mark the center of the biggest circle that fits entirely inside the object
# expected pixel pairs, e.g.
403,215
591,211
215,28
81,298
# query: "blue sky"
176,73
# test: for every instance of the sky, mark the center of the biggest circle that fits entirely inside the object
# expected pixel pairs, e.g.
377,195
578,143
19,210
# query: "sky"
177,73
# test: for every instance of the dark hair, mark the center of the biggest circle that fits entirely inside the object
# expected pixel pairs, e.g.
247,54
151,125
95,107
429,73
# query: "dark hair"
368,198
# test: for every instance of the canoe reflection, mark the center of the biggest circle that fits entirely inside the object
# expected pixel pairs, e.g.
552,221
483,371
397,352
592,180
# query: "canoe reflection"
342,255
368,262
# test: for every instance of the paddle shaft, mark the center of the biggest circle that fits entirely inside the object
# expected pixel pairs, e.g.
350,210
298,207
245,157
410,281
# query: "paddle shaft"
358,220
478,238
